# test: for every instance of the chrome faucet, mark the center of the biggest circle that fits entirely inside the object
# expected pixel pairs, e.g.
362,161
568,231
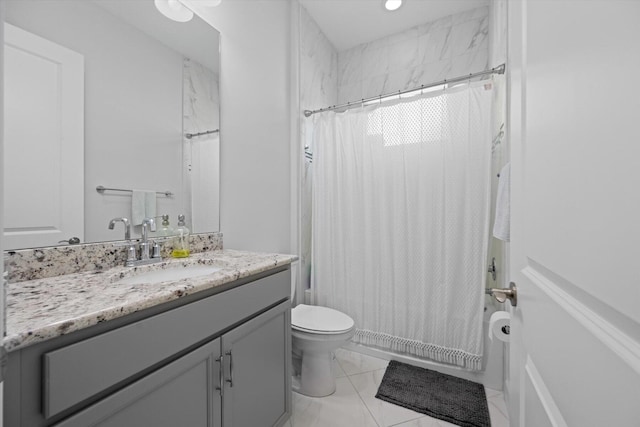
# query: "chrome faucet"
127,226
147,224
131,246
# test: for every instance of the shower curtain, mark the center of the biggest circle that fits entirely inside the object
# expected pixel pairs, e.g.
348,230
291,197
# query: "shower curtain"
400,228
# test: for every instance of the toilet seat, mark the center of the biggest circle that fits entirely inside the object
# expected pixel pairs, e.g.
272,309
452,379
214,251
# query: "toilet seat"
320,320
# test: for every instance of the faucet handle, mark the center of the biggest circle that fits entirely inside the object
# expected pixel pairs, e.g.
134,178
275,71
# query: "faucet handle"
149,222
132,256
155,250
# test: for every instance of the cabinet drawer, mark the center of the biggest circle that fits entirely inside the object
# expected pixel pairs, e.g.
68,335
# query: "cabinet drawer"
79,371
179,394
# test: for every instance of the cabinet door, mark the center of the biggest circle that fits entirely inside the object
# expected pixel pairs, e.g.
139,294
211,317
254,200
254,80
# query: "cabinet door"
182,393
257,358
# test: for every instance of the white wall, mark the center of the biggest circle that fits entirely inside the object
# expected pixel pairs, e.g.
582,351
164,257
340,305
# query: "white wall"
133,106
255,122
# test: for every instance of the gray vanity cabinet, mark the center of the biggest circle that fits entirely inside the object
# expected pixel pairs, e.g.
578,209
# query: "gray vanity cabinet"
256,379
182,393
220,359
252,372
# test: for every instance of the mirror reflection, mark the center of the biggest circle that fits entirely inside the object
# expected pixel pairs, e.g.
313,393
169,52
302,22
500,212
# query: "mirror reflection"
112,94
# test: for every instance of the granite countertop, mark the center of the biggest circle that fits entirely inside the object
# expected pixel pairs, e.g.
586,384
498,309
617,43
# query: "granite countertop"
38,310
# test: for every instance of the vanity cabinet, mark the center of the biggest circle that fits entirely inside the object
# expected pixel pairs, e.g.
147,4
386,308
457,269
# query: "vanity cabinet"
216,361
253,369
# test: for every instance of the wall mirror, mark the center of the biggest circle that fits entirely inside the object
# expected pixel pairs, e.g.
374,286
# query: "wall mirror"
107,93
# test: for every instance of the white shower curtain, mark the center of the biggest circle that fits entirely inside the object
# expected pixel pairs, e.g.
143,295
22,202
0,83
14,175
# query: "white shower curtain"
401,221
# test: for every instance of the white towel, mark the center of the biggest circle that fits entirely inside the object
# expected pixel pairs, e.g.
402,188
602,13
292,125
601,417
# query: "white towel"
143,205
502,224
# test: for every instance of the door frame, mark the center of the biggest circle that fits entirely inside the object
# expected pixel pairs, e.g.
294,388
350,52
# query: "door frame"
2,243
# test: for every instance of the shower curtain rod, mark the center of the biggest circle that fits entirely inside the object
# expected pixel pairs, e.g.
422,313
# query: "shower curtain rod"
496,70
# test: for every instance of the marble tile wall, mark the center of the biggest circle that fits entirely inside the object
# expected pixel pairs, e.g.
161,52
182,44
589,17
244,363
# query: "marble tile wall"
448,47
40,263
318,88
497,32
201,107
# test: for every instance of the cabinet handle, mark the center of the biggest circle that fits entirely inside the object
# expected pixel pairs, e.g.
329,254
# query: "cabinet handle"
220,387
230,380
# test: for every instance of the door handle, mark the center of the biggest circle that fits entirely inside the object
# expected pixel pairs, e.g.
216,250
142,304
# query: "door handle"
220,387
503,294
230,380
71,241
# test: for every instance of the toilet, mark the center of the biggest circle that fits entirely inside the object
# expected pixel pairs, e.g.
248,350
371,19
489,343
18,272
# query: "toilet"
316,333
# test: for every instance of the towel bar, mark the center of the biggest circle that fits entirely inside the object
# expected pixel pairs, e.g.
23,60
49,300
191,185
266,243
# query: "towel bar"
100,189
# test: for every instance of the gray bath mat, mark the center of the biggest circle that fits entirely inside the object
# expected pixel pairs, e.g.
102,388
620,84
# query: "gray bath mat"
441,396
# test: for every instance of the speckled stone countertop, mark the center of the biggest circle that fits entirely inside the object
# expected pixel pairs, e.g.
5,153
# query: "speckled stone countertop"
38,310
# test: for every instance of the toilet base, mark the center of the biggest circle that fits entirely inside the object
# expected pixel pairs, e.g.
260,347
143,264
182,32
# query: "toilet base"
313,361
316,375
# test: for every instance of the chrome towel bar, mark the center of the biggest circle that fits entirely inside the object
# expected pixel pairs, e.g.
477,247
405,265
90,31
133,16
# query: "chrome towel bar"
193,135
100,189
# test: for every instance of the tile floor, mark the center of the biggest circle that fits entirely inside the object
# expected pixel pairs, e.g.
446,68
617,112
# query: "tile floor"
354,405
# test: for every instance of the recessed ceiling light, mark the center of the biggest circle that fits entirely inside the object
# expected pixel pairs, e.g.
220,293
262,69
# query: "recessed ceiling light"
174,9
392,4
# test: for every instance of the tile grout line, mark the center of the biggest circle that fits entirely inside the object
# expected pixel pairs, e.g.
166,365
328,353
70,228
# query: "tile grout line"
366,406
413,419
497,408
362,400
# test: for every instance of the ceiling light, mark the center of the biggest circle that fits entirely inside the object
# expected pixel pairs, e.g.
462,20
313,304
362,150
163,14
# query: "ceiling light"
174,9
392,4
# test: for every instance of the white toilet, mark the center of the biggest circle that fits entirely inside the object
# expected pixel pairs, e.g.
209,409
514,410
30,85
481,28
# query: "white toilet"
317,332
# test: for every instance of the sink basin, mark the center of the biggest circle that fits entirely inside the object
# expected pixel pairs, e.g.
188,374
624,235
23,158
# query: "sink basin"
169,274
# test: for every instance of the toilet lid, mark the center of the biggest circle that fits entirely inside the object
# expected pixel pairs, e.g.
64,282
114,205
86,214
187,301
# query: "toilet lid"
320,319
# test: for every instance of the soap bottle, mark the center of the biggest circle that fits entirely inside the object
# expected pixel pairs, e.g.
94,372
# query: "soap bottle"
165,230
180,240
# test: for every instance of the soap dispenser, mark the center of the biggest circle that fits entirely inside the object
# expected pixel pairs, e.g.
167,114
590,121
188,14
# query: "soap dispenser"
181,240
165,230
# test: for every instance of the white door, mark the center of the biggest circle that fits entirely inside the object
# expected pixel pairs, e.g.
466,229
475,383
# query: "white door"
575,134
43,141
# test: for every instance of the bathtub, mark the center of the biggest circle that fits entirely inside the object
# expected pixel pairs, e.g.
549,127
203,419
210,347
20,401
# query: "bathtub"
491,376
